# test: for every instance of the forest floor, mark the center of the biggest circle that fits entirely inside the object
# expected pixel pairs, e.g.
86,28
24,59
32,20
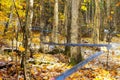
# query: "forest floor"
46,66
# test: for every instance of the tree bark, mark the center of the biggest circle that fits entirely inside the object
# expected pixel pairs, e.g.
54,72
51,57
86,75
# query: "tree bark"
55,26
75,53
96,22
30,24
102,19
25,40
68,25
42,24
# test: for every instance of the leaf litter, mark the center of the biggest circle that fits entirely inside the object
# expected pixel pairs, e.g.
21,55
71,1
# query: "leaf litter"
48,66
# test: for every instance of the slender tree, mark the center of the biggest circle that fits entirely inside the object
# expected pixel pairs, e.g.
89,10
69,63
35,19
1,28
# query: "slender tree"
55,25
30,23
25,31
102,20
96,22
74,51
42,24
68,24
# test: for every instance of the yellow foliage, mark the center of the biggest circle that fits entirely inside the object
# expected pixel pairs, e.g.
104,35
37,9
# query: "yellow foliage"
103,75
61,16
36,34
1,28
103,48
110,17
36,40
112,12
118,35
97,78
21,48
21,13
86,1
84,8
6,3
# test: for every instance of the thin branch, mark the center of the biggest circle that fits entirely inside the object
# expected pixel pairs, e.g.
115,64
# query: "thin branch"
17,14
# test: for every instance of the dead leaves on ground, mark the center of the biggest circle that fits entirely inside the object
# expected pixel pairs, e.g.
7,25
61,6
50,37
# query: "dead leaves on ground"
48,66
48,71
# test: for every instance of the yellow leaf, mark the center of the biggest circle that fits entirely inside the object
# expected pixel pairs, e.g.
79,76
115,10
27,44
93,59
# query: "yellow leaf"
118,35
110,17
1,79
36,40
118,4
68,67
84,8
96,78
86,1
103,48
112,12
21,48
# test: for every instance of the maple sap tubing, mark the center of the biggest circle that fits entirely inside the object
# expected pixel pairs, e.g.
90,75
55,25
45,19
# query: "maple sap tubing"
71,44
78,66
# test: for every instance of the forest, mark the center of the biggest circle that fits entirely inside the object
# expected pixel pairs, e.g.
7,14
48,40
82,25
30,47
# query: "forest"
59,39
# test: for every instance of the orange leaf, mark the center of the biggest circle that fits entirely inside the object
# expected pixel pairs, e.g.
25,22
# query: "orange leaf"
21,48
110,17
118,4
21,78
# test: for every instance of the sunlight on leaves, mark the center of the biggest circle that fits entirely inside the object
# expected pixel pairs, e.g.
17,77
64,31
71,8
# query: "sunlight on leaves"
84,8
118,4
112,12
1,79
21,48
86,1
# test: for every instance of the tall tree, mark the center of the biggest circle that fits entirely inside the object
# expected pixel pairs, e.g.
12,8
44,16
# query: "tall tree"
75,53
25,30
96,22
117,15
102,20
110,22
31,12
42,24
68,25
55,25
30,22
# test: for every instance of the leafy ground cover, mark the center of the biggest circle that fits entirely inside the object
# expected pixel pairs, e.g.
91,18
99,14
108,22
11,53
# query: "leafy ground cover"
47,66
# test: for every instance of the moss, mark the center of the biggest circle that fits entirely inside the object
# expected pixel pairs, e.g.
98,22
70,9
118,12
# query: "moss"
72,61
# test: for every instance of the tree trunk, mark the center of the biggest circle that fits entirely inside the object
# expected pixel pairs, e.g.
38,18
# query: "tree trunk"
102,20
30,24
55,26
68,25
25,40
96,22
118,17
75,54
42,24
